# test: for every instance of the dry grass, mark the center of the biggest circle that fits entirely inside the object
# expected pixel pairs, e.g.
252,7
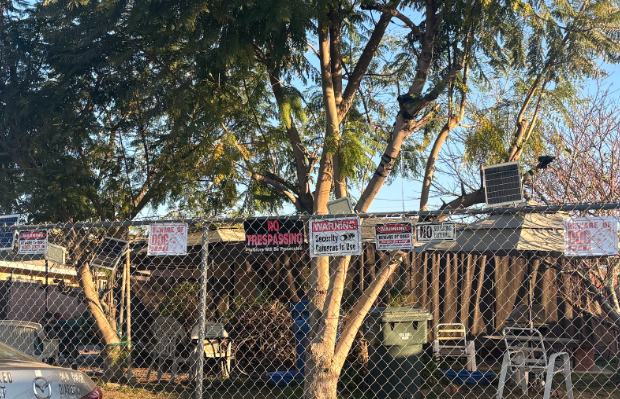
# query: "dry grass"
586,387
116,391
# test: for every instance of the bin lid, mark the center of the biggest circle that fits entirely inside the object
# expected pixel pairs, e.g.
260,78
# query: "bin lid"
401,313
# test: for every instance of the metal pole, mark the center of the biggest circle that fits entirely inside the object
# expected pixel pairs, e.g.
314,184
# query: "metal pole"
47,284
402,180
121,316
202,311
128,308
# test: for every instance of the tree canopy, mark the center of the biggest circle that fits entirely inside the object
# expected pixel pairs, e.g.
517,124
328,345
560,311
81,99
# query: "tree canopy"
109,107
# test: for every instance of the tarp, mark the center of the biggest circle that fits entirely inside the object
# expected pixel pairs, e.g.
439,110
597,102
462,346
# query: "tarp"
506,234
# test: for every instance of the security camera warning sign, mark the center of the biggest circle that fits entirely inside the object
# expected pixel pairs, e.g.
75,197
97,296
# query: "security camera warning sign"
335,237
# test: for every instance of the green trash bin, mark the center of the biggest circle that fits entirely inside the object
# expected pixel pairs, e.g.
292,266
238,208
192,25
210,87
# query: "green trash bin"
395,336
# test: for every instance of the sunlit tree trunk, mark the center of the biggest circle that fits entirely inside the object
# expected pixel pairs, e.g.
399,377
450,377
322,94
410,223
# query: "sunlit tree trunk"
113,356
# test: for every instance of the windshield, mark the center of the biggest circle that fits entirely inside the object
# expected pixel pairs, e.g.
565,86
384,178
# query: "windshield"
8,353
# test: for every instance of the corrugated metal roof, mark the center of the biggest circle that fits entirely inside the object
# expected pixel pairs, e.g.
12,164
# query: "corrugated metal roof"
506,234
219,235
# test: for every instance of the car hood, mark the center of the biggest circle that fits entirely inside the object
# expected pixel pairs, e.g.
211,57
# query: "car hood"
27,379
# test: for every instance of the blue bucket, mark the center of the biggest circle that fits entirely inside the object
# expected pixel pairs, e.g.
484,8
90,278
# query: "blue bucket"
470,378
301,327
284,378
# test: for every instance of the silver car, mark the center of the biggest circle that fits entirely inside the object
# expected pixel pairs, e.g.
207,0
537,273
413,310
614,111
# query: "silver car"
22,377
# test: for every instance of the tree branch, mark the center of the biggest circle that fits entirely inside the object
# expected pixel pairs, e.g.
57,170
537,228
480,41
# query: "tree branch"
394,13
452,122
301,155
525,128
360,310
592,289
332,127
361,67
277,185
282,181
464,201
411,105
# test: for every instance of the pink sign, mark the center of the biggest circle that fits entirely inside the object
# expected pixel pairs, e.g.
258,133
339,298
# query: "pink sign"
591,236
167,239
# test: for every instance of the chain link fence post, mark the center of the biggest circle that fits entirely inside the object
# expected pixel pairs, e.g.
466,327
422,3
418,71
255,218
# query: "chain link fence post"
202,303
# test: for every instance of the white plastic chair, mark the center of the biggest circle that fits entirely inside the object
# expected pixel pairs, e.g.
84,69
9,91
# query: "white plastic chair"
217,345
451,342
525,353
168,335
29,338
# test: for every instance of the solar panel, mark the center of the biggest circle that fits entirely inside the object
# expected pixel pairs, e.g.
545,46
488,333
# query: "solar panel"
340,206
7,237
502,183
108,254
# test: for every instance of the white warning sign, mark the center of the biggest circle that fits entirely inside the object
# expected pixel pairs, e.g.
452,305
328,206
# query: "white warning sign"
32,242
335,237
391,236
167,239
427,232
591,236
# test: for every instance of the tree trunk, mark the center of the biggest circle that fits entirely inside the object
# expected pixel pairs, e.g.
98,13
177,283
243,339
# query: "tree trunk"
325,359
113,356
286,273
320,370
320,350
324,385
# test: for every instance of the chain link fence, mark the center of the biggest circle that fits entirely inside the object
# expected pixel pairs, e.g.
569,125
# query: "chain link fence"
468,303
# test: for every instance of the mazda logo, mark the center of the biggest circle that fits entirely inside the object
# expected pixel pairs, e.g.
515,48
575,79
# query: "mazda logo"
42,388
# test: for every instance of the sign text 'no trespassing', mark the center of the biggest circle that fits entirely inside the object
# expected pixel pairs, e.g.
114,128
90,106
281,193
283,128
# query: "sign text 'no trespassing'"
273,235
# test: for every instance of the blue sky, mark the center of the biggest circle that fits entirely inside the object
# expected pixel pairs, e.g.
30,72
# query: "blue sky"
407,191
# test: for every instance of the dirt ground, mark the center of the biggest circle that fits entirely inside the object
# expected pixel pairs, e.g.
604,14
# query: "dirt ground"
585,387
114,391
